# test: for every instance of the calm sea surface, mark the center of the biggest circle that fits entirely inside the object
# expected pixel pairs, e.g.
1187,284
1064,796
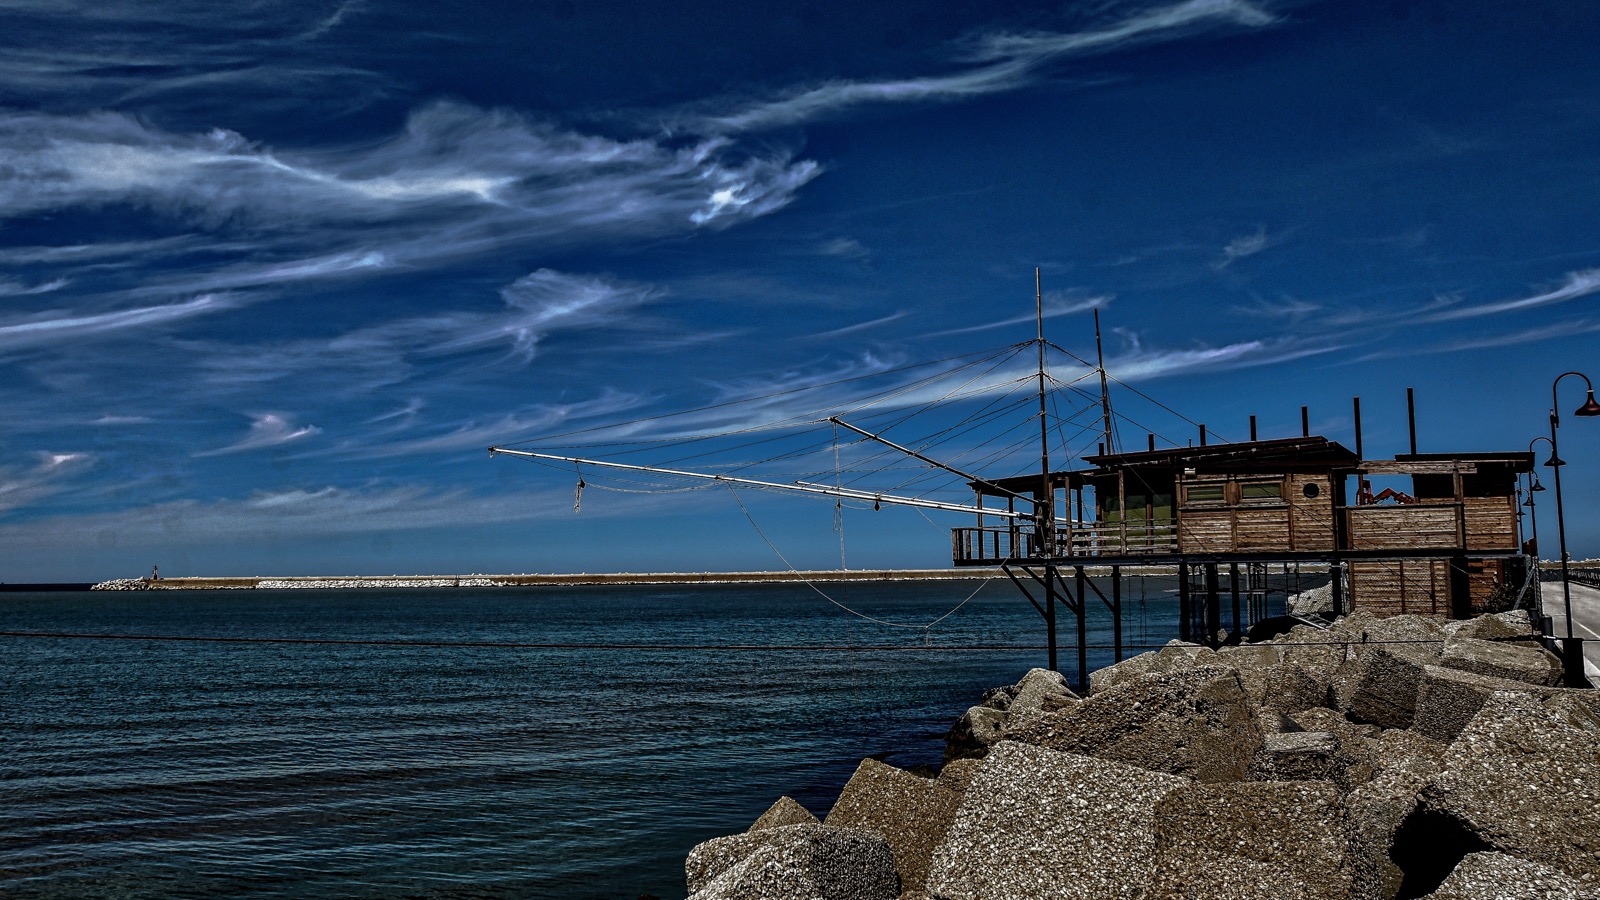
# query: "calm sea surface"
162,768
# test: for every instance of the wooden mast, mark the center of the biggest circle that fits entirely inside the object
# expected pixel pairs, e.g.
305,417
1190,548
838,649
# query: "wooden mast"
1044,505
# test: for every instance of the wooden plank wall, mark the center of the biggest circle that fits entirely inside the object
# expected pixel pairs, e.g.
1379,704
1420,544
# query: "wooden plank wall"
1205,531
1491,523
1393,587
1399,527
1310,518
1484,575
1261,528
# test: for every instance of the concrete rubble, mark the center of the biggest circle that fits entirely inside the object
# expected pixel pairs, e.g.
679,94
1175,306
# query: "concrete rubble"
1377,759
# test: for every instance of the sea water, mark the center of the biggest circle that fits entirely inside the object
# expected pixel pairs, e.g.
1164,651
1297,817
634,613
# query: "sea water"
615,729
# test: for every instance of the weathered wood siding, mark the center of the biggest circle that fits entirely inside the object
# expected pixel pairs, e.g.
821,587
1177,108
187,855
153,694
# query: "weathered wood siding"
1205,531
1484,576
1311,518
1261,528
1393,587
1491,523
1400,527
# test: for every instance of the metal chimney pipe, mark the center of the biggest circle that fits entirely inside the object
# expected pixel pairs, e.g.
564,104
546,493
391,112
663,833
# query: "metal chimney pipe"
1411,417
1359,454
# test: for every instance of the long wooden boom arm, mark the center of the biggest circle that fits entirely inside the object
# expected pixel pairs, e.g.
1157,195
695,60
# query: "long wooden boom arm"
802,487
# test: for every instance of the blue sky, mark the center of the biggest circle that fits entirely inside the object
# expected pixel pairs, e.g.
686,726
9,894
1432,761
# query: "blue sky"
273,275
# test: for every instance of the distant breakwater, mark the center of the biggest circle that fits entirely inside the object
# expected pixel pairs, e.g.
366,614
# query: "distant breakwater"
488,581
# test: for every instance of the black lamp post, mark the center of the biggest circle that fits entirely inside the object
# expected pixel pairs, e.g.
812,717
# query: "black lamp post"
1534,487
1589,408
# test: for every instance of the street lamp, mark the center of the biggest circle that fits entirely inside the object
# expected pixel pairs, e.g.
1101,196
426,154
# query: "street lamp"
1589,408
1534,487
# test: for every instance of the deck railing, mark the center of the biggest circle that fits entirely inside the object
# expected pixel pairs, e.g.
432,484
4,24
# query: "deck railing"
996,544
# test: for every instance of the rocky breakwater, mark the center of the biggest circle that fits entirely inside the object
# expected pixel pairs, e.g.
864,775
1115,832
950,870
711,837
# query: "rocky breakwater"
1372,759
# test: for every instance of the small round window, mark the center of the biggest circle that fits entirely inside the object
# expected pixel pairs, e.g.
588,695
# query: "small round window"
1311,490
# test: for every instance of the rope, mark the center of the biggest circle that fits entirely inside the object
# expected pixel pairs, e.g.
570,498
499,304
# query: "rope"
824,594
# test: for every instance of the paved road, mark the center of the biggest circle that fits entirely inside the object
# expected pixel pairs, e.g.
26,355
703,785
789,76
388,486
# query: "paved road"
1585,620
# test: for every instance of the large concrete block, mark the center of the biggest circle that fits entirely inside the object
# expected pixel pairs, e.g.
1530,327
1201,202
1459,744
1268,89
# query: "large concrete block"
784,812
957,774
1038,823
1533,665
1297,756
974,733
1375,811
1512,624
1496,876
1036,689
909,812
1399,746
1126,670
1197,723
1270,839
793,862
1379,687
1318,651
1417,638
1526,781
1447,699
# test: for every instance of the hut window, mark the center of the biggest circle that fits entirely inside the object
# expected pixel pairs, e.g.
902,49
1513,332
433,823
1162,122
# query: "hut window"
1260,490
1204,493
1311,490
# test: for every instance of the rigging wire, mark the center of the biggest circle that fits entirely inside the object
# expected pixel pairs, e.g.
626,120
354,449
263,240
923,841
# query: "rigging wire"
824,594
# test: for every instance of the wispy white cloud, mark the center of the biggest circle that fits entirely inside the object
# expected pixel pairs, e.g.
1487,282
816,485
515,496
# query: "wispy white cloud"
466,164
533,307
267,429
844,248
1145,364
1282,308
1008,61
860,326
1240,247
52,327
1551,332
1056,303
475,435
1576,284
9,288
298,513
22,487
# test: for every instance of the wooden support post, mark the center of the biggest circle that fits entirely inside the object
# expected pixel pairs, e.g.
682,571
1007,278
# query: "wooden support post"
1233,583
1252,429
1305,421
1083,629
1213,607
1050,613
1460,588
1184,631
1336,587
1116,613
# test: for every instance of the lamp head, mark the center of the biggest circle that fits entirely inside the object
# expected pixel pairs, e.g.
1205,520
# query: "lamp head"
1554,461
1536,485
1589,407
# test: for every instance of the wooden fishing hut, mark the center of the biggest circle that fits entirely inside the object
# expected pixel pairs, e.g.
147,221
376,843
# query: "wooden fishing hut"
1216,511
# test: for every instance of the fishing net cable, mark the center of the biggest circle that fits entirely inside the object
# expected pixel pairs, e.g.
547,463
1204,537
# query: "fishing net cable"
824,594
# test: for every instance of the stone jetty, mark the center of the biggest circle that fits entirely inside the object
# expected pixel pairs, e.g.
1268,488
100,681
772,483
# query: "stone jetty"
1375,759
